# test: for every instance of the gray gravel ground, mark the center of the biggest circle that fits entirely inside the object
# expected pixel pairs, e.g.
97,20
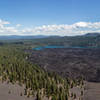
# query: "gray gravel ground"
92,91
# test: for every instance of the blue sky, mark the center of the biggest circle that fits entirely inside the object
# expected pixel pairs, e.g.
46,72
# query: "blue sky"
47,13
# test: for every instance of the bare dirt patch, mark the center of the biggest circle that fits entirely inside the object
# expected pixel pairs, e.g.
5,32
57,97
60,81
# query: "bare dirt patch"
12,92
92,91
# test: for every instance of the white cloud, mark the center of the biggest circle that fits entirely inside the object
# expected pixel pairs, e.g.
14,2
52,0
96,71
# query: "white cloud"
18,25
78,28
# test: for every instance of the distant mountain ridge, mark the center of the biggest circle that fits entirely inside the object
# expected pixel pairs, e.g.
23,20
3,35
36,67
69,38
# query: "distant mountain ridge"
92,34
41,36
87,40
21,37
10,37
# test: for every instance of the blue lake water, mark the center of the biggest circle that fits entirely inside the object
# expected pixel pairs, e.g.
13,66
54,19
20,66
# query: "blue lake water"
50,47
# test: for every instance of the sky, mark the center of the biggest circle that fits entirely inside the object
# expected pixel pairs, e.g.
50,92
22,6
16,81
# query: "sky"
49,17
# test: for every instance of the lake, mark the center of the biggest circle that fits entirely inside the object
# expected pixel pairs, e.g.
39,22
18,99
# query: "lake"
51,47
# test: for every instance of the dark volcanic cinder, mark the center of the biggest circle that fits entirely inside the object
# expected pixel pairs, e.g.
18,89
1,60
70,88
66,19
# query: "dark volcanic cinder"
72,62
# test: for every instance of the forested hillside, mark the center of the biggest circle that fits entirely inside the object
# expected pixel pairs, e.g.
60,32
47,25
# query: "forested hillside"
15,68
88,40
